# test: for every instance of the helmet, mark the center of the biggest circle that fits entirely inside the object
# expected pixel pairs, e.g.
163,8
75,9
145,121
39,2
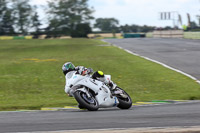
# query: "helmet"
68,67
98,75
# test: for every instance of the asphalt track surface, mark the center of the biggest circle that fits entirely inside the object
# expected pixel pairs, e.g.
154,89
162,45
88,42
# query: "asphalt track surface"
181,54
165,115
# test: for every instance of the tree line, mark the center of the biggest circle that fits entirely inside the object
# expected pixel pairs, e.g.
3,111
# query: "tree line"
64,17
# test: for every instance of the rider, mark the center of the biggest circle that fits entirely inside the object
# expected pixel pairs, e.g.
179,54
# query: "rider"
98,75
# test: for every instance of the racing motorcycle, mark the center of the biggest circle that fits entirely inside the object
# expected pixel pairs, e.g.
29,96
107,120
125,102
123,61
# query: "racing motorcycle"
93,94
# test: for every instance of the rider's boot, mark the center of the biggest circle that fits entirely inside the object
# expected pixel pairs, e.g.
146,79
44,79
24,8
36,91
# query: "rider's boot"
113,88
112,85
116,91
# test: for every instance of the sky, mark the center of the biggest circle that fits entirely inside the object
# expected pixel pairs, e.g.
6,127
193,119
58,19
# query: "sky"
140,12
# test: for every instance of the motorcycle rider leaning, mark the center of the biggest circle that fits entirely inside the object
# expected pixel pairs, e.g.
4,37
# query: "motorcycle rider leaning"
98,75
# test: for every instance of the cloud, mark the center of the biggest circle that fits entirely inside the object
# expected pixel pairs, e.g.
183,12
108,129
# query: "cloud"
140,11
38,2
144,11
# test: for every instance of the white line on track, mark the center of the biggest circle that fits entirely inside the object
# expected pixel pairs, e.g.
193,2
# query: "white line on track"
152,60
177,129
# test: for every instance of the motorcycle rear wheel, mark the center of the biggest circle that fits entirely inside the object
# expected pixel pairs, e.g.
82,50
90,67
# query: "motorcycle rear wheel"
124,103
90,103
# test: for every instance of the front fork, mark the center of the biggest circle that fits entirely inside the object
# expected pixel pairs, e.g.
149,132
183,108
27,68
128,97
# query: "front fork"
83,89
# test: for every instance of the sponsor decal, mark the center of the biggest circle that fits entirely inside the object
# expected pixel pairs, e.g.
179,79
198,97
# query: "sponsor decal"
104,89
115,104
93,81
74,77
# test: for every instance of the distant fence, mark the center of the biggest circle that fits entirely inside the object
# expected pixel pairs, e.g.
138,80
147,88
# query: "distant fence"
160,34
116,35
105,35
168,34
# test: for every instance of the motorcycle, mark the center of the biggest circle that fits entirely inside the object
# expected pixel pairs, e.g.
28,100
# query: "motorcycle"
93,94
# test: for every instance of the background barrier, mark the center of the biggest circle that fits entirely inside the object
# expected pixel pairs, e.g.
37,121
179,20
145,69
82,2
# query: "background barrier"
6,37
18,37
157,34
15,37
28,37
134,35
168,34
105,35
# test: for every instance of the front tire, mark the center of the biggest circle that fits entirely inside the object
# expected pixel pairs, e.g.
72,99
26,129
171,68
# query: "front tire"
125,101
89,103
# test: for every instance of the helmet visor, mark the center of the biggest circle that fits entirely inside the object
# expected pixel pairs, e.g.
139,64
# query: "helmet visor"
69,66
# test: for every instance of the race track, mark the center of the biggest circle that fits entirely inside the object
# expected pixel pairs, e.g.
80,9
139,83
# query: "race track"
181,54
165,115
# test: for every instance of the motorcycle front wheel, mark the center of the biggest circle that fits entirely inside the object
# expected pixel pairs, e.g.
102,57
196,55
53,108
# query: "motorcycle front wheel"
124,99
90,103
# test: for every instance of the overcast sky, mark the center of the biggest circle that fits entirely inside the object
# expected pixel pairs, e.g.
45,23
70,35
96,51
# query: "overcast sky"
140,12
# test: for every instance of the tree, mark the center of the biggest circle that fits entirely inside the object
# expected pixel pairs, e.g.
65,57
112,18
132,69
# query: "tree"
23,14
106,24
146,28
66,15
36,22
136,28
81,30
193,25
6,19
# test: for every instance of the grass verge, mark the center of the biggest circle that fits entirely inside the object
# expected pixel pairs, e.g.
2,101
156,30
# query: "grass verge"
31,75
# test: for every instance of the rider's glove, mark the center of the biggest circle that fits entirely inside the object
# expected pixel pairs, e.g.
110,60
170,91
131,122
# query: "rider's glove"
80,69
87,71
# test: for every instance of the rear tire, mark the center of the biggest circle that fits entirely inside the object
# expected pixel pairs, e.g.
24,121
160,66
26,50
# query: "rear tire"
89,103
124,103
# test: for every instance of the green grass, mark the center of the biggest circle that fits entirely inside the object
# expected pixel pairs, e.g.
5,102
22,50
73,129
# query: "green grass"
31,75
